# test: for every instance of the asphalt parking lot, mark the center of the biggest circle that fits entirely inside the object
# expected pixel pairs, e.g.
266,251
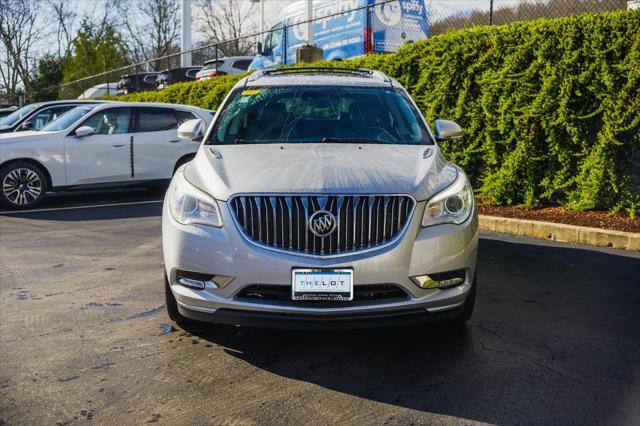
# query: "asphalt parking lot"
84,337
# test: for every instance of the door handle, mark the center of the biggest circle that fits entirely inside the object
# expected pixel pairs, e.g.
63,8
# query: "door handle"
176,140
119,145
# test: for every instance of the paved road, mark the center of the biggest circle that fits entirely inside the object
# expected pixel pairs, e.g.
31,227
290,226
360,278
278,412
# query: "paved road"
84,336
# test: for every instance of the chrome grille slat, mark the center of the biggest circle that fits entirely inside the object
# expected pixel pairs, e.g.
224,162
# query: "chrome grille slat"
252,228
244,211
259,210
287,200
276,218
370,206
338,211
281,221
305,201
354,222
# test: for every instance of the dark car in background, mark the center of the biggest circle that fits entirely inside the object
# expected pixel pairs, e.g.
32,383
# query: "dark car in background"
176,75
137,82
36,116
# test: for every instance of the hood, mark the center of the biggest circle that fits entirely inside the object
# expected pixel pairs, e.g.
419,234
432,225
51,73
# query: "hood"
20,136
222,171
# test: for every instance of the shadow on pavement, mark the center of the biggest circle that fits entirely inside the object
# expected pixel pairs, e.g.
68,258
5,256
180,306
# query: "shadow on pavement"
96,205
555,338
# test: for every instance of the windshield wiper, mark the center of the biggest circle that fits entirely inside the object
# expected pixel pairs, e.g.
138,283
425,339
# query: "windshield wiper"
324,140
351,140
244,141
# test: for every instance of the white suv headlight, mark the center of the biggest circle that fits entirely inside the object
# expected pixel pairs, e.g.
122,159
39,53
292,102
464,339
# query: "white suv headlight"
189,205
453,205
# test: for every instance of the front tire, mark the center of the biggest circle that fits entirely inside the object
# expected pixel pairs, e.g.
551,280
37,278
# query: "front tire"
24,185
469,304
172,305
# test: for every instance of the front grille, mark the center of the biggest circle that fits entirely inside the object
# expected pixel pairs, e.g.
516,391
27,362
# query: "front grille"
282,222
361,293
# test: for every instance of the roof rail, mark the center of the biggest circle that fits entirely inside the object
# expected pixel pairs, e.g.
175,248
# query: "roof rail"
328,70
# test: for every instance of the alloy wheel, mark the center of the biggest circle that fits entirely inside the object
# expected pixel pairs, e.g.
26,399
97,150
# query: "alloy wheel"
22,186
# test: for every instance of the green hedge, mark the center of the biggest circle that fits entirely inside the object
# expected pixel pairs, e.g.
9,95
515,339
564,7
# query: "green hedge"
550,107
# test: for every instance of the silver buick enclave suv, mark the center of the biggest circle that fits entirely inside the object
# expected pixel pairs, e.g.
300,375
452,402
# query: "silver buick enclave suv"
319,198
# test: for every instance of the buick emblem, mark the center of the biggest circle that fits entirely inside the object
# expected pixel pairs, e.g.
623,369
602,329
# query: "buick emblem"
322,223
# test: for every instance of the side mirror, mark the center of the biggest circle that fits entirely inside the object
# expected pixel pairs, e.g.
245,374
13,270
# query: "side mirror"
447,130
191,129
259,48
27,125
84,131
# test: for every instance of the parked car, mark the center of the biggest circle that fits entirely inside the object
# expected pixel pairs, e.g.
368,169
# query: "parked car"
224,66
368,28
100,90
137,82
175,75
103,145
6,111
36,116
320,198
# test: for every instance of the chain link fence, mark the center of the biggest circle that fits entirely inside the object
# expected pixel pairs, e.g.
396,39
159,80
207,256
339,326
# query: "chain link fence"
343,29
455,14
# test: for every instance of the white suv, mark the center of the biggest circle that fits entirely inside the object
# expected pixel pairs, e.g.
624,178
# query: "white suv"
320,198
224,66
107,145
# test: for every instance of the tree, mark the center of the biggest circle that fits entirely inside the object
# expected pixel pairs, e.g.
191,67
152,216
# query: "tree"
152,29
20,31
95,50
65,22
224,20
47,78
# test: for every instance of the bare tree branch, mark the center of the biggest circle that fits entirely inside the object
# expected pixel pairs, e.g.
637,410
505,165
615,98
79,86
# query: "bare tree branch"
65,21
20,31
152,28
227,19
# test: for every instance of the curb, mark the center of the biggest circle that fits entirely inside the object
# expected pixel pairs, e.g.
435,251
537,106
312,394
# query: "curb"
561,232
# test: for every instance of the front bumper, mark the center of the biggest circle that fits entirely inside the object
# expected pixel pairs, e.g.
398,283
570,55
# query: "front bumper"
320,321
225,251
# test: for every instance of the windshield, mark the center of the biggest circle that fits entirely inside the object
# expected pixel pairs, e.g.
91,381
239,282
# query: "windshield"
16,115
314,114
67,119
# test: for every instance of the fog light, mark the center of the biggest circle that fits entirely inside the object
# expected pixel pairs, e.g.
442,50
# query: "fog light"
195,284
424,281
442,280
199,281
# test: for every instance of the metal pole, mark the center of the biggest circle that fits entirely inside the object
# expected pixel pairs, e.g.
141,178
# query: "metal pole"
185,38
490,12
137,79
310,22
106,77
262,16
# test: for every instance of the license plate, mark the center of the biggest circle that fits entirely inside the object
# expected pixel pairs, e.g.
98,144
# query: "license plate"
322,284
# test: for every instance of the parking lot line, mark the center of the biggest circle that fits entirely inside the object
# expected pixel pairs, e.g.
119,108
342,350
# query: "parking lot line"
53,209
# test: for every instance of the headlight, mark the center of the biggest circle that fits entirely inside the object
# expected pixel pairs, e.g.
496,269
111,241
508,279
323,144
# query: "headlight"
189,205
452,205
